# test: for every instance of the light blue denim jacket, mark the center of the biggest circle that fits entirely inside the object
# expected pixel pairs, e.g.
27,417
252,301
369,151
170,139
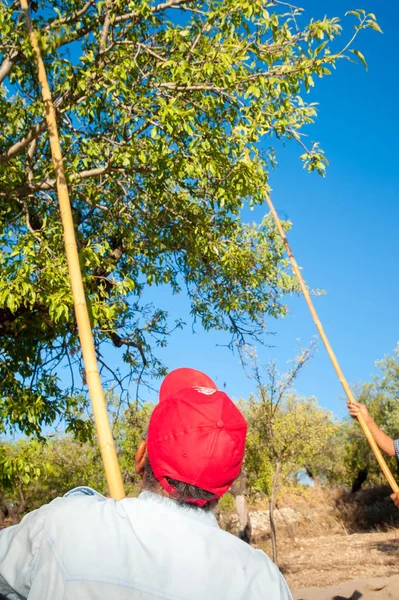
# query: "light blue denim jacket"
85,546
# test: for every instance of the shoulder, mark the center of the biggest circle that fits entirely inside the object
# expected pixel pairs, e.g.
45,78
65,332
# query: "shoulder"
79,501
87,510
266,574
246,552
81,498
256,566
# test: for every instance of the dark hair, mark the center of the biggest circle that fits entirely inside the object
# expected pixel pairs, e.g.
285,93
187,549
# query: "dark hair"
184,491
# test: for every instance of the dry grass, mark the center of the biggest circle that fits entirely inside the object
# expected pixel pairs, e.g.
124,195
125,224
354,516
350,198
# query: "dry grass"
340,537
330,559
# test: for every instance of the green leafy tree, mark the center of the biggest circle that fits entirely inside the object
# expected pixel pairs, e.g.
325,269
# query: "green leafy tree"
128,432
33,473
278,448
164,110
20,464
329,467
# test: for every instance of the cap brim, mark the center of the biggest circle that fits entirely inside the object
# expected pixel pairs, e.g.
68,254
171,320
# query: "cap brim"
182,378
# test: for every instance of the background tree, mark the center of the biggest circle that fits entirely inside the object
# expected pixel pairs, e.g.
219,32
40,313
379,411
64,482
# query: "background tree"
329,467
128,432
19,465
239,491
277,446
33,473
161,109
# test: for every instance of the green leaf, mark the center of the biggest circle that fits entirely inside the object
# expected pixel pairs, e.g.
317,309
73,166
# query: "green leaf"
361,57
375,26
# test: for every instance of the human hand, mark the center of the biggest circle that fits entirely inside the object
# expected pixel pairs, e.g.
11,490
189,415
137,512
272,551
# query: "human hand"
395,499
356,408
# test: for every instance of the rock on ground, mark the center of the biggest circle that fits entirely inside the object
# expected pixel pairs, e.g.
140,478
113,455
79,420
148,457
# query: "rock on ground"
260,520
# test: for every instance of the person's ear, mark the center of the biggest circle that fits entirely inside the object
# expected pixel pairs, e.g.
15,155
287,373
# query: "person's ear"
139,460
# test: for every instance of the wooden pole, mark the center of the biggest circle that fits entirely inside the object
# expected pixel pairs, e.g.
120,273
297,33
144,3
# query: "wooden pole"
329,349
106,442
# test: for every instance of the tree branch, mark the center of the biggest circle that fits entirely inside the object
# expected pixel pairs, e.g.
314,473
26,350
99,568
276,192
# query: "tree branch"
181,87
16,148
118,342
154,9
33,134
49,184
7,65
72,19
105,31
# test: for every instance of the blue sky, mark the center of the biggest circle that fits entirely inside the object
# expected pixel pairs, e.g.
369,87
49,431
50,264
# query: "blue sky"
344,229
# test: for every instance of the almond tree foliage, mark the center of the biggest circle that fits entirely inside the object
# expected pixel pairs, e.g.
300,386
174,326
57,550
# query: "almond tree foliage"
165,110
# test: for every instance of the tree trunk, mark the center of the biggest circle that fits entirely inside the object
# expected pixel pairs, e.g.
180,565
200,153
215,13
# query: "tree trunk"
272,503
315,478
239,491
359,480
12,513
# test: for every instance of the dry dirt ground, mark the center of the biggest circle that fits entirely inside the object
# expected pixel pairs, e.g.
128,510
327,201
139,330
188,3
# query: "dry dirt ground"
381,588
326,562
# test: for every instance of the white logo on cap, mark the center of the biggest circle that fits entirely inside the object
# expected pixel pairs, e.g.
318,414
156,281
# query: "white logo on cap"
205,390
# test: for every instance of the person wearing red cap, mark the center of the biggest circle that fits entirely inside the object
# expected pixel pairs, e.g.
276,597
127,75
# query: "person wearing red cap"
164,544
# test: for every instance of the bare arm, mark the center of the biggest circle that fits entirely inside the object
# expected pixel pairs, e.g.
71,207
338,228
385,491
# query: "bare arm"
383,440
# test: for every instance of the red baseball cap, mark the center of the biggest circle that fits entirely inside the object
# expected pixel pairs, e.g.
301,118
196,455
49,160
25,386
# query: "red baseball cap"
196,434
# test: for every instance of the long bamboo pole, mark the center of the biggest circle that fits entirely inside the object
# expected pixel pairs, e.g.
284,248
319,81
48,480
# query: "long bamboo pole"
106,442
329,349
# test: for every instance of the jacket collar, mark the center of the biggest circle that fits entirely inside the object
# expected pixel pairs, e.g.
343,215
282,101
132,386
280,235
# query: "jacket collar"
198,514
